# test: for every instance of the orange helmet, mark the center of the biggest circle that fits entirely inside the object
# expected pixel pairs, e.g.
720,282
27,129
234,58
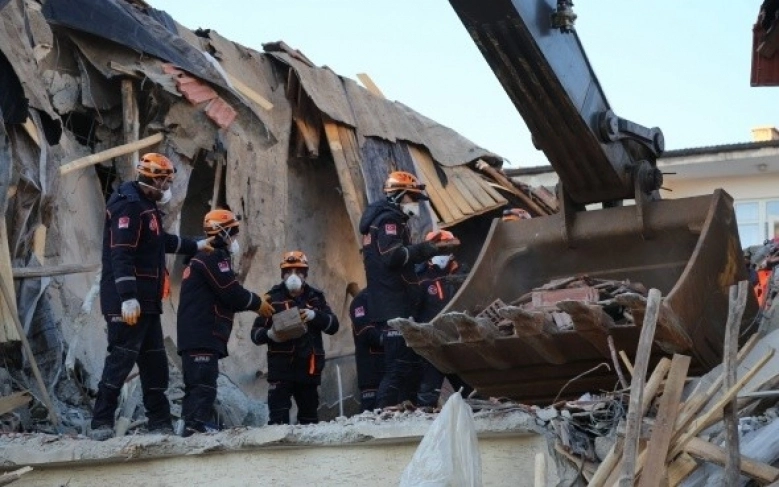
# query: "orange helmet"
405,182
294,259
513,214
218,221
154,165
439,236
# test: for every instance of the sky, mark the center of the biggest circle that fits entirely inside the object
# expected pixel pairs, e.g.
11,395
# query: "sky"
683,66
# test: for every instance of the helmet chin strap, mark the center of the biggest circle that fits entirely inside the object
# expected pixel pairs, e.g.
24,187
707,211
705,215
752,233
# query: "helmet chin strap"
396,199
154,188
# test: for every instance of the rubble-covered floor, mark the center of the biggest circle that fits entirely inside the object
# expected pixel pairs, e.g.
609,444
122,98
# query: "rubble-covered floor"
366,448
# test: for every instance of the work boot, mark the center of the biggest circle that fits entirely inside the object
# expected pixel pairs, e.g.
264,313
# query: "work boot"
101,433
164,428
199,427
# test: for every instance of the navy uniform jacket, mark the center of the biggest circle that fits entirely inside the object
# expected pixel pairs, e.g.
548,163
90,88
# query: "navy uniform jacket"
389,260
134,248
436,288
210,297
301,359
368,350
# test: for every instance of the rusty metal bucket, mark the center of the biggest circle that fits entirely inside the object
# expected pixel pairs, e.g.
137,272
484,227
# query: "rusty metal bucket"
692,255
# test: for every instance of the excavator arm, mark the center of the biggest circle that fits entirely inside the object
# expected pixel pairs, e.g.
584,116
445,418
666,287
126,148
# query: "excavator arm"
688,248
538,58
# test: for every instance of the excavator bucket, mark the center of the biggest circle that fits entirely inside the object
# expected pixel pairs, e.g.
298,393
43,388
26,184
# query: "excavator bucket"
687,248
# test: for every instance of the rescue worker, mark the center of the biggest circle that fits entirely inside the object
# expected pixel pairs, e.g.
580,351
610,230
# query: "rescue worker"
439,281
210,296
295,365
514,214
133,283
368,351
389,258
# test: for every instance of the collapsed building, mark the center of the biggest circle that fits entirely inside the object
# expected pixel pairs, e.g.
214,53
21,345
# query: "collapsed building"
298,151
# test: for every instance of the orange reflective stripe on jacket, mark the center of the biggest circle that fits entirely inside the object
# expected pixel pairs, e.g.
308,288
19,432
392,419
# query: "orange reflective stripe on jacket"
761,289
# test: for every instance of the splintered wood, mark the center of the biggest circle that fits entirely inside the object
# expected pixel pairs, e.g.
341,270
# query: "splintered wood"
660,444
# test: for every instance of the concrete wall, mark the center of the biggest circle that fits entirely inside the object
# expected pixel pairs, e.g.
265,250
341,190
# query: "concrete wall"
506,461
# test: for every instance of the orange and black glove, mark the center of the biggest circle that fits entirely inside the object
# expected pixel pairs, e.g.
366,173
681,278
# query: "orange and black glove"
266,309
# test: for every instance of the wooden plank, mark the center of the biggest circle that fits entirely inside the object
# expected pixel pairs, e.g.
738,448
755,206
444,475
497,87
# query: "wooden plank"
509,186
353,155
680,468
445,202
464,199
350,193
611,465
659,441
10,297
490,189
219,165
634,415
737,303
52,270
32,131
105,155
702,422
626,361
39,243
15,400
368,83
8,332
130,128
442,204
456,177
249,93
706,451
471,182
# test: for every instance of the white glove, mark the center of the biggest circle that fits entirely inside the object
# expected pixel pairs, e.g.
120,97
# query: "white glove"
307,315
205,244
131,311
272,336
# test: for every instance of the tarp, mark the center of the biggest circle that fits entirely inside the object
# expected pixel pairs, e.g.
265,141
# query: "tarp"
126,25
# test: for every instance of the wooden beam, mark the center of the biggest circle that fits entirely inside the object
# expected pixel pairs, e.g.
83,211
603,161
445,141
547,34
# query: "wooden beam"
52,270
130,129
509,186
219,165
659,441
250,93
737,303
8,333
634,415
32,131
715,454
105,155
351,191
680,468
368,83
703,421
15,400
10,297
39,243
611,465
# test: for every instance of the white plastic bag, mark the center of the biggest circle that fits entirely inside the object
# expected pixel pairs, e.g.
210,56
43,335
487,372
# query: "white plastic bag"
448,455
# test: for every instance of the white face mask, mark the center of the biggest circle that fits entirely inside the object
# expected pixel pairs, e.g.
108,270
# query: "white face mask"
167,195
440,261
235,247
410,209
293,282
